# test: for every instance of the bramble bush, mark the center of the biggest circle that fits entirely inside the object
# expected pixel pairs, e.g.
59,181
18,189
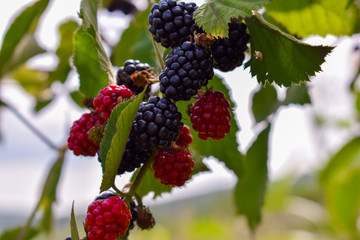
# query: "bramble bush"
165,109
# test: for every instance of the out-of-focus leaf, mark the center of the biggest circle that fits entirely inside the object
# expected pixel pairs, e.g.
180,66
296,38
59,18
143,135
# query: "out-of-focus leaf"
135,42
41,104
48,195
264,102
10,234
73,226
78,97
25,23
297,94
64,51
322,17
232,158
86,60
26,49
250,191
280,58
278,193
118,142
341,180
214,15
34,81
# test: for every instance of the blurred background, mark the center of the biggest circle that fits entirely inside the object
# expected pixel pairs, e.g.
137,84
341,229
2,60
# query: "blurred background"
303,140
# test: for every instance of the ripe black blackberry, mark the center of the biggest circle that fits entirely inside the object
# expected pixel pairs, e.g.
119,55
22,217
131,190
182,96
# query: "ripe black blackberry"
172,23
228,53
132,157
187,68
157,123
126,75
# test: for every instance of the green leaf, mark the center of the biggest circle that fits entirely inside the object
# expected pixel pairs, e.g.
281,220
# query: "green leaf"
48,195
284,59
250,191
86,61
297,94
118,142
41,104
88,13
264,102
64,51
73,227
78,97
341,179
110,130
135,42
8,234
232,158
215,15
322,17
25,23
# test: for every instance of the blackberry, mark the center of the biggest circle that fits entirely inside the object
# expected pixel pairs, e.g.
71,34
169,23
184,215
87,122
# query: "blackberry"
228,53
172,23
157,123
187,68
132,157
126,76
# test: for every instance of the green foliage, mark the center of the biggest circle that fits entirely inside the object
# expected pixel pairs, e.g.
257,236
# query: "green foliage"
304,18
264,102
283,59
24,24
215,15
340,180
13,233
73,227
232,158
111,129
250,191
135,42
118,142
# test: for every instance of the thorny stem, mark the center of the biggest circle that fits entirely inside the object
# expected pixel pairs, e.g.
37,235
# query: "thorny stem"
28,124
158,55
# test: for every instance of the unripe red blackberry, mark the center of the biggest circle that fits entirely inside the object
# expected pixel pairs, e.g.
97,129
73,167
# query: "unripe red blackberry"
173,166
210,116
228,53
157,123
187,68
79,140
109,97
134,75
185,137
172,23
107,219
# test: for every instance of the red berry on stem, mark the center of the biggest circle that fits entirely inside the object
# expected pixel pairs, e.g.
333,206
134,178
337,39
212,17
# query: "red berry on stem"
210,116
185,137
109,97
79,141
173,166
107,219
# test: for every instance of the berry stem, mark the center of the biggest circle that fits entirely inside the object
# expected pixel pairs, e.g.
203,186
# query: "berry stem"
138,179
32,128
158,55
118,191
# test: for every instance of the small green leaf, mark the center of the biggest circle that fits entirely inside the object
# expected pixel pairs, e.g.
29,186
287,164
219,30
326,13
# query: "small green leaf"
341,179
23,24
86,61
135,42
78,97
9,234
284,60
322,17
264,102
41,104
297,94
110,130
249,192
215,15
118,142
73,227
88,13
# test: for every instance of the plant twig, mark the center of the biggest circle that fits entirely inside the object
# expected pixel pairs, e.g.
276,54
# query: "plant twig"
158,55
28,124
